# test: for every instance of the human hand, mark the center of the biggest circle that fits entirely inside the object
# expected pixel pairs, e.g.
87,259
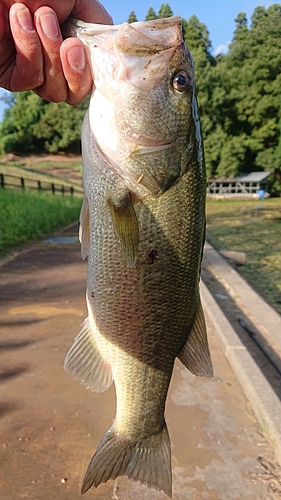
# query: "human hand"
33,54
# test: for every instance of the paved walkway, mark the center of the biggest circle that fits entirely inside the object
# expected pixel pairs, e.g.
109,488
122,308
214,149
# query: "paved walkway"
50,425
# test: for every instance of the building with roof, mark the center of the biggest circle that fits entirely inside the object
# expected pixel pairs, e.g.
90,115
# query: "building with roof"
245,186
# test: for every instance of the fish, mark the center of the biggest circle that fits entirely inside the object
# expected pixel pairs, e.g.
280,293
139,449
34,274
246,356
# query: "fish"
142,226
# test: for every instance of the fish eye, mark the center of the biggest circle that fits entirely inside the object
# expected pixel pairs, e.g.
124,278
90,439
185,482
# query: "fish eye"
181,81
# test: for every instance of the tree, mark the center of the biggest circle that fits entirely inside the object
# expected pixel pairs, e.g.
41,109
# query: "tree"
132,18
33,125
165,11
17,127
238,47
246,98
241,30
259,16
60,127
196,37
151,14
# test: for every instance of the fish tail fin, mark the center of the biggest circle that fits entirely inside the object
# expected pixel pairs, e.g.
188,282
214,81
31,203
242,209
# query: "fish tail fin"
147,461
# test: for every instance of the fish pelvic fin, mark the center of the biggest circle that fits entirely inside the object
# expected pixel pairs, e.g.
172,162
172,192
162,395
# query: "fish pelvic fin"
147,461
126,226
85,364
84,229
195,354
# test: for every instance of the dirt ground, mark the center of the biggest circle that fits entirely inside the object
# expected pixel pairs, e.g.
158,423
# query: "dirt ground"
50,425
61,164
61,157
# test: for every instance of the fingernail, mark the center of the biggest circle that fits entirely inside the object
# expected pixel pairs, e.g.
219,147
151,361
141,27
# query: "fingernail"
76,58
49,25
24,19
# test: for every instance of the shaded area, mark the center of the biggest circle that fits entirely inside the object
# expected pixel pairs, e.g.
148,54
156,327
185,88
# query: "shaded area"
7,407
12,372
46,257
18,322
233,312
62,240
27,276
10,346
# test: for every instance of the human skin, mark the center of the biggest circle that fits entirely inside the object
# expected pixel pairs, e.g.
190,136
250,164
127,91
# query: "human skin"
33,54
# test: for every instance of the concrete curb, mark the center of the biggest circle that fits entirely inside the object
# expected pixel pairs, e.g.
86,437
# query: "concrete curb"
266,405
261,314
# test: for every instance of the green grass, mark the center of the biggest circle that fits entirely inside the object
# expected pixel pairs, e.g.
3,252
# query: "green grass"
253,227
28,215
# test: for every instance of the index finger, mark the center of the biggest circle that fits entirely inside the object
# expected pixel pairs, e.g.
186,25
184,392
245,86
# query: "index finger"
26,71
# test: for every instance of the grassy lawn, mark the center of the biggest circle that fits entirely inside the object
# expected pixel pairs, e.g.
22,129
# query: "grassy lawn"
253,227
27,215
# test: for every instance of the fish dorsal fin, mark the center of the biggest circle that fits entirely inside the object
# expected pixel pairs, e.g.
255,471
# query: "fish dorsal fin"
195,354
84,229
126,226
85,364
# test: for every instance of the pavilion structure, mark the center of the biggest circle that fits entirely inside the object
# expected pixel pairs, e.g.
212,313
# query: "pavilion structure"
243,186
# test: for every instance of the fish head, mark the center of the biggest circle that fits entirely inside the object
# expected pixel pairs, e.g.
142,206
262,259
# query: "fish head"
156,87
143,99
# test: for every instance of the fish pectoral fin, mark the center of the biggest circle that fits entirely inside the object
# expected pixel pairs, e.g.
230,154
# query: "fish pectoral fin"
85,364
126,226
195,354
84,229
147,461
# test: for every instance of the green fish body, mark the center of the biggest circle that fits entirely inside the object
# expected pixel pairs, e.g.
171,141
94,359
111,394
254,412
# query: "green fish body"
142,227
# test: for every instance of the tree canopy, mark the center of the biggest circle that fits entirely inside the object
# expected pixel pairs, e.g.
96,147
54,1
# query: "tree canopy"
239,97
34,125
132,18
151,14
165,10
246,98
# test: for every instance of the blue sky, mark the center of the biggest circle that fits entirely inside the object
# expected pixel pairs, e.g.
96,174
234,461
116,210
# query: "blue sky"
218,15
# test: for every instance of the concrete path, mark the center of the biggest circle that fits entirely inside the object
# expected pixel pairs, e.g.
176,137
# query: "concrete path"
262,390
266,319
50,425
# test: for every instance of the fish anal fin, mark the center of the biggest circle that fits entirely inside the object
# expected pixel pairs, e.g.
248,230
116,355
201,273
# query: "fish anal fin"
84,229
126,226
85,364
147,461
195,354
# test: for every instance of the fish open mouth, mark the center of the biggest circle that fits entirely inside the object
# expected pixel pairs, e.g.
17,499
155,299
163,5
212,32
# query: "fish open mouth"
143,39
152,43
139,37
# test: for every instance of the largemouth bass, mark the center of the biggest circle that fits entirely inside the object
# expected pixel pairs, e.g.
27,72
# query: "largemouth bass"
142,227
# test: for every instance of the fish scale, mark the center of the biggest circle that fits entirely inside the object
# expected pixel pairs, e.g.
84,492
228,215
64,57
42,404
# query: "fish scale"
142,226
